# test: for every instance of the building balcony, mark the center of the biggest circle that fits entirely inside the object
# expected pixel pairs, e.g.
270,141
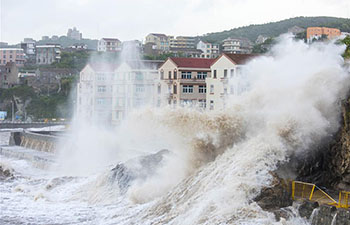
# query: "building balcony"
192,81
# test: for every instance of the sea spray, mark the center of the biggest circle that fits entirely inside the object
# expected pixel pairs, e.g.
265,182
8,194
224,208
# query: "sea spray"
223,159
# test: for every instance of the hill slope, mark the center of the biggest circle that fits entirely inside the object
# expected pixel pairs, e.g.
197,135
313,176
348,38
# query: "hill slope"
274,29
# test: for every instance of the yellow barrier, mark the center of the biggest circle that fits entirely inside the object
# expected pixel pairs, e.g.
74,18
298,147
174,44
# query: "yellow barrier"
303,190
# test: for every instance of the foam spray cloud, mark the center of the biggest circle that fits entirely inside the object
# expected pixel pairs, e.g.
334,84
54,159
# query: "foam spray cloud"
222,159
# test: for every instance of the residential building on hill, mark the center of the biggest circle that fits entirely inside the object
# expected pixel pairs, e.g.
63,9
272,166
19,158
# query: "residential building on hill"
237,46
227,79
160,41
28,46
209,50
15,55
317,32
182,82
8,75
109,45
47,54
296,30
182,42
74,34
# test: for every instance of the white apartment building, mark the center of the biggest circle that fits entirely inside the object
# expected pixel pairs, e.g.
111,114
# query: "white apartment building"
237,46
134,86
94,94
109,45
209,50
226,79
109,92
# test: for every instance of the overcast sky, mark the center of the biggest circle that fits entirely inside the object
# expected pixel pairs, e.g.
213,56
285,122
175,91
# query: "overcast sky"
134,19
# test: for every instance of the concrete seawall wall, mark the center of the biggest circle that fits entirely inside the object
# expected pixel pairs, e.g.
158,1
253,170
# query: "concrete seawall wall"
37,141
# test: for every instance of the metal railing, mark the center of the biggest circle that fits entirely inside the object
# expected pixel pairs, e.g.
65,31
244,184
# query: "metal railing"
303,190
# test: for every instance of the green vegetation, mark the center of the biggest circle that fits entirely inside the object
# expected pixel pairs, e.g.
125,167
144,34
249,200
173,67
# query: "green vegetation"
264,47
276,28
55,105
72,60
346,41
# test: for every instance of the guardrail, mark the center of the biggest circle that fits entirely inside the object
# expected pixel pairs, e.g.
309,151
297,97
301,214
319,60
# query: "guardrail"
308,191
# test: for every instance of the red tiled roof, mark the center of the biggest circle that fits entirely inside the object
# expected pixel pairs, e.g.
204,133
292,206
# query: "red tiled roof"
159,35
193,62
111,39
241,58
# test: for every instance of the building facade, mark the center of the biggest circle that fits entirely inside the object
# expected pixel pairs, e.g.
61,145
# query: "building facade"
209,50
109,45
182,42
160,42
227,79
237,46
47,54
134,86
15,55
9,75
318,32
28,46
94,93
182,82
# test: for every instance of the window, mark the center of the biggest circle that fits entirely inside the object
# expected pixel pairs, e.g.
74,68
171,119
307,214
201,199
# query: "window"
162,75
202,103
139,76
159,89
225,90
175,89
211,89
175,75
231,73
169,76
101,101
214,74
201,75
187,89
202,89
186,75
211,104
225,73
140,88
101,76
101,88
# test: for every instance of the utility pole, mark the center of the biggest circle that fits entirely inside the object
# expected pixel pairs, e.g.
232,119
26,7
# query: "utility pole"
13,111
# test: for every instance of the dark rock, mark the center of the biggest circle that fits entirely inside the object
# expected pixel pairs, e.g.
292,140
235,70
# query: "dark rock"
343,217
306,208
285,213
274,197
139,168
325,215
5,173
